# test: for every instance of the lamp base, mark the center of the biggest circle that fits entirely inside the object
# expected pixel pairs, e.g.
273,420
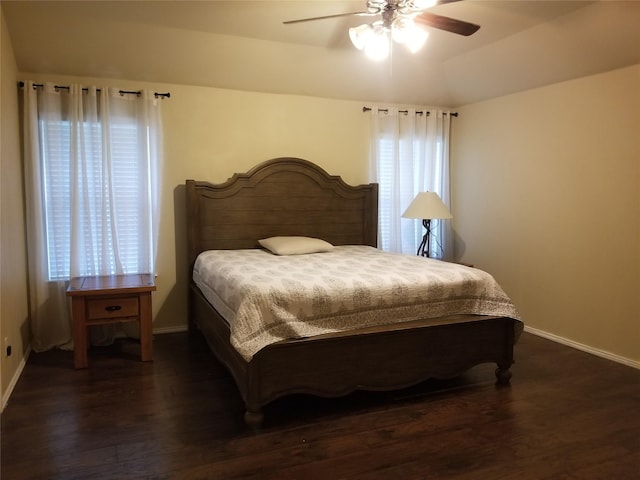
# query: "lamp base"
424,247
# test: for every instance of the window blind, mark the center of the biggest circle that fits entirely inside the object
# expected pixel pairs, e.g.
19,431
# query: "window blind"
115,215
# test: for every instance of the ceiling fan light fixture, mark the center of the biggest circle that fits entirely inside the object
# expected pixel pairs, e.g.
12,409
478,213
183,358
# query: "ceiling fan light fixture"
398,23
377,47
405,31
422,4
372,38
361,35
376,6
401,29
417,41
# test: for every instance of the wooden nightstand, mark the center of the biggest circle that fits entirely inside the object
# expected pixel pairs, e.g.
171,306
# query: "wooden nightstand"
111,299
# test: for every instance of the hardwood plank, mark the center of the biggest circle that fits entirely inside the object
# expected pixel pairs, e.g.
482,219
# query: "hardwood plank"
567,415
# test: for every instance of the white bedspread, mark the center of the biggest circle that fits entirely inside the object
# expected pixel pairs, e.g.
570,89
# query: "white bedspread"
266,298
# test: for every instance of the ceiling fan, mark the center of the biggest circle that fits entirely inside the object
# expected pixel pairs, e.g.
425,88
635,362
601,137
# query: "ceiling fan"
402,21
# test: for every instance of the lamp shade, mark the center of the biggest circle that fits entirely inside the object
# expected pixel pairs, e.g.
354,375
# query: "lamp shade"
361,35
427,205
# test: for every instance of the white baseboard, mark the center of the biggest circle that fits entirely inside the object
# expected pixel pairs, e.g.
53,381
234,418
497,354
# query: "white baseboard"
178,329
15,378
584,348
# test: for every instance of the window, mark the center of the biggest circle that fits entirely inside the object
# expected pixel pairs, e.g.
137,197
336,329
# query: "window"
99,210
409,155
404,173
92,175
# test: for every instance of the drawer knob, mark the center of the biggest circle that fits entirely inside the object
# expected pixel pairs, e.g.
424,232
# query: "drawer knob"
113,308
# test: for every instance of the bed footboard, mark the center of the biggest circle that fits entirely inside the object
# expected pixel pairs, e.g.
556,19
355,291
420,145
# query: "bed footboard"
377,358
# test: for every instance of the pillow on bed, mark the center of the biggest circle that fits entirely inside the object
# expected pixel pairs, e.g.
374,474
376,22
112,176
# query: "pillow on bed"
295,245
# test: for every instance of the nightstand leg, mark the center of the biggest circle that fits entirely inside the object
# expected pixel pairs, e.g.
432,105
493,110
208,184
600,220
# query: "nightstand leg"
146,335
79,333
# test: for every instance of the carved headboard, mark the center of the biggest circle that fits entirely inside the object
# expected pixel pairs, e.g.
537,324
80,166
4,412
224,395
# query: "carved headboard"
283,196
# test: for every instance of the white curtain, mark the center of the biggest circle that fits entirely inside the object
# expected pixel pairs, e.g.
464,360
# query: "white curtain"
92,162
410,154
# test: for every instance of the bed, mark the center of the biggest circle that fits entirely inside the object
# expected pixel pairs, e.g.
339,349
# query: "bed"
291,197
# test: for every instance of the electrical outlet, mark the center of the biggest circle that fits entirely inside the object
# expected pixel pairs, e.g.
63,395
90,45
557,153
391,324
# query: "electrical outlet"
7,347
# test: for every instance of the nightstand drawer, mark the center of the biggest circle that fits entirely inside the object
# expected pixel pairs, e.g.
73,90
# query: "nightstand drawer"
114,307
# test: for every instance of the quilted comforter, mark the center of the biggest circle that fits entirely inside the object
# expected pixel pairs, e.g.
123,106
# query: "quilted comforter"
266,298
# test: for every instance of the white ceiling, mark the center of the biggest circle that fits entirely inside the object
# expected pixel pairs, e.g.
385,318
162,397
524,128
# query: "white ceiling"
243,45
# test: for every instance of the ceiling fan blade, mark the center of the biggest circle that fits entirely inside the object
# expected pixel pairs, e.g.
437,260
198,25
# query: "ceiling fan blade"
359,14
448,24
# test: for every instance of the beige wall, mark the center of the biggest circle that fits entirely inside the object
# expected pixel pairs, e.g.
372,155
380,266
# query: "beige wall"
13,282
546,196
210,134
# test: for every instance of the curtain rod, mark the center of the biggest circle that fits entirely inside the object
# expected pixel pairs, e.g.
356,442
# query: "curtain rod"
121,92
419,112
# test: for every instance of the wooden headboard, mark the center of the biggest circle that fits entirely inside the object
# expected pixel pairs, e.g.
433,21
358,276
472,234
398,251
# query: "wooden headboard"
283,196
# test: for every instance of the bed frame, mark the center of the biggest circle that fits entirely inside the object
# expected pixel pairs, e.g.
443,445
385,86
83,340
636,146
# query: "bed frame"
290,196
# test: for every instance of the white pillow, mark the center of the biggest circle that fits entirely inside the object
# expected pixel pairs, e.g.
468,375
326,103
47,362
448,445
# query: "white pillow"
295,245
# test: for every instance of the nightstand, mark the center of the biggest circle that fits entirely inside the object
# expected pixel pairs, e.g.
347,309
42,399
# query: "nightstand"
107,300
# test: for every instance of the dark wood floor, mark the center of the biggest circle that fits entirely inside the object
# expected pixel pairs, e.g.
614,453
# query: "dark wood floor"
567,415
